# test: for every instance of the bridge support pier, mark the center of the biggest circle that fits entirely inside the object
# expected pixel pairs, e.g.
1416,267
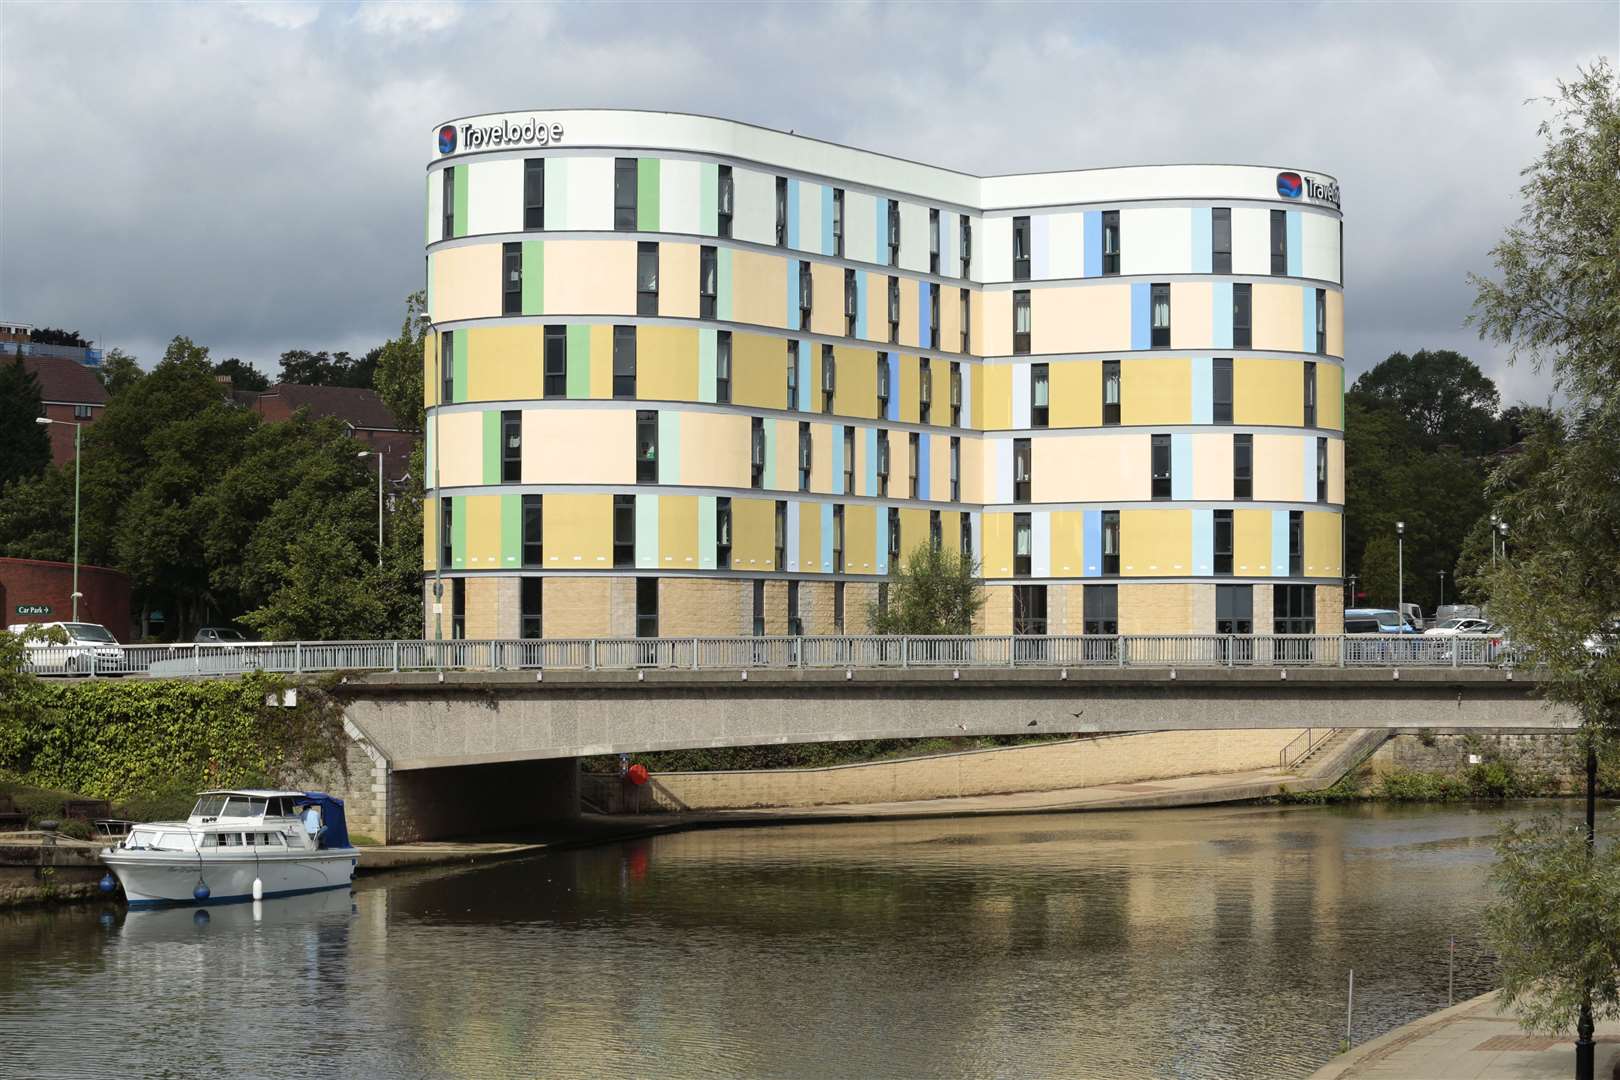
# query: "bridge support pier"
469,800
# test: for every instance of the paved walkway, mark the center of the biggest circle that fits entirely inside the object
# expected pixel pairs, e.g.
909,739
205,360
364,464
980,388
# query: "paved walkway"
1471,1041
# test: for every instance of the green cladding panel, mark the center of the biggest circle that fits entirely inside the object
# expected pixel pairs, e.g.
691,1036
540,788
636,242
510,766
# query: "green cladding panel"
492,447
460,182
534,277
709,199
579,361
511,530
647,194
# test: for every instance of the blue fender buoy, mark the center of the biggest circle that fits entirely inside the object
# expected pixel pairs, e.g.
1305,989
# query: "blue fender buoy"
201,917
201,892
108,883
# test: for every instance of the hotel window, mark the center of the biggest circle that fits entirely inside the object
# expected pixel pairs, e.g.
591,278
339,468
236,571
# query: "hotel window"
1023,543
829,378
1101,604
1279,242
646,447
849,460
1234,609
894,310
624,363
556,361
511,279
894,232
956,468
850,303
624,530
804,455
447,522
1161,315
511,447
449,203
708,281
1110,542
883,388
964,540
1040,394
1110,239
793,375
1241,308
1221,390
533,533
1309,391
805,285
838,222
966,241
1110,392
956,394
534,193
779,531
967,322
1243,466
458,608
1161,467
781,211
795,622
1021,322
646,279
722,367
725,201
933,315
1220,240
915,448
1020,248
925,391
1029,611
1293,609
883,462
759,607
756,453
447,366
1321,470
933,241
838,606
1321,322
530,594
722,533
647,607
1223,543
838,539
1296,543
894,538
1021,470
624,194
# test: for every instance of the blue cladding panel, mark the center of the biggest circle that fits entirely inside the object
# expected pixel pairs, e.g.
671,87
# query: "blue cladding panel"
1295,251
838,460
860,304
826,537
1181,467
1221,315
894,387
1203,537
924,453
1279,543
1202,228
922,314
1141,315
1203,391
826,219
1093,243
793,213
1091,547
881,513
880,248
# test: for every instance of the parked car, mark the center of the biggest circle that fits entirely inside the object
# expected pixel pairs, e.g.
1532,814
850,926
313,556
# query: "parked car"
1447,612
1453,627
220,635
1387,620
1414,616
89,646
1403,643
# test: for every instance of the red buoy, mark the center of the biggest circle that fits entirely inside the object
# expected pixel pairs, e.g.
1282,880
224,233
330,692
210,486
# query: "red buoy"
637,774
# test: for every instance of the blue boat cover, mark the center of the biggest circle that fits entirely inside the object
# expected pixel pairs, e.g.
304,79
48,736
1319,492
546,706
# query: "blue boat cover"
336,831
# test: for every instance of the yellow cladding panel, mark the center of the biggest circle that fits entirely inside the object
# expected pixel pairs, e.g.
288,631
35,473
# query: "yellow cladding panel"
910,369
821,442
913,530
857,382
579,446
1091,318
466,282
483,530
909,312
860,539
578,532
503,363
459,443
1155,392
714,449
1067,530
827,299
1190,324
753,534
1336,471
1251,543
430,369
974,374
430,533
1212,466
950,318
941,374
877,306
1335,323
810,539
677,532
1322,544
601,370
1267,392
996,328
939,469
666,363
1155,543
1330,396
1279,467
759,288
758,371
678,281
1076,393
997,541
972,470
589,277
994,397
1091,468
1278,310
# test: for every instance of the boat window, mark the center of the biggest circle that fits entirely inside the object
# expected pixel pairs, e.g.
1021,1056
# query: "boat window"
278,807
230,839
171,841
209,840
275,839
140,838
243,806
209,806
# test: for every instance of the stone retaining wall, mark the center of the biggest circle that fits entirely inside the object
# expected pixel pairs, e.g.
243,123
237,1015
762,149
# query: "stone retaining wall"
1553,754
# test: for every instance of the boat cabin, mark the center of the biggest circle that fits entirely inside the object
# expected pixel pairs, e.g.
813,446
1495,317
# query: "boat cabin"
249,821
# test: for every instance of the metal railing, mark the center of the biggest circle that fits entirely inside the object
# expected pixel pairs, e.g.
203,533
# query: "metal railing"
1300,745
743,653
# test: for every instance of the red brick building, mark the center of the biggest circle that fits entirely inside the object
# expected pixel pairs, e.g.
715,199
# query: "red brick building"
34,591
71,392
362,410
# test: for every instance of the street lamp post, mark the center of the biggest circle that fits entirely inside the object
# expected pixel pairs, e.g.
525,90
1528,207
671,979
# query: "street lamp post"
1400,575
379,454
1442,591
1494,521
76,429
1501,527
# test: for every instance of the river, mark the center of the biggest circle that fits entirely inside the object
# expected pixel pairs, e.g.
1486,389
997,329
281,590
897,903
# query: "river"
1210,942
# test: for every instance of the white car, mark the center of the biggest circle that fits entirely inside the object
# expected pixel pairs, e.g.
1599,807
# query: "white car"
89,647
1453,627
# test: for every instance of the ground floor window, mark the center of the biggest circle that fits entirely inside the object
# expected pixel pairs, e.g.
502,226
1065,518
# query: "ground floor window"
530,623
1029,609
1101,604
1293,609
1234,609
646,607
458,607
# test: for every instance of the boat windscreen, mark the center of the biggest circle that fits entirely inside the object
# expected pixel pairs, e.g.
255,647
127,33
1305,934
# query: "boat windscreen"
243,806
209,806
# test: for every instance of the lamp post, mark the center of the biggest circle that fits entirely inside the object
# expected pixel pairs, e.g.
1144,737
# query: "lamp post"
379,456
1494,521
1400,575
1501,527
1442,591
76,428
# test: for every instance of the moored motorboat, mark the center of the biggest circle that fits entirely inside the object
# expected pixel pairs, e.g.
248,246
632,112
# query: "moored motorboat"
237,846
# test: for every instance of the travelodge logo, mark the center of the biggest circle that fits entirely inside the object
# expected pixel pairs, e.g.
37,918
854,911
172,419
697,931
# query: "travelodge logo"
1291,185
447,139
502,132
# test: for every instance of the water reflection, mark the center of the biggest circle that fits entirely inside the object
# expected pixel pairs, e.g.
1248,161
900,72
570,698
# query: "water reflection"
1197,943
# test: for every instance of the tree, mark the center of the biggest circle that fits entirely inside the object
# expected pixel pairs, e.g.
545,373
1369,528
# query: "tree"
243,375
1443,394
119,371
935,591
1376,575
25,448
398,375
46,335
327,591
327,369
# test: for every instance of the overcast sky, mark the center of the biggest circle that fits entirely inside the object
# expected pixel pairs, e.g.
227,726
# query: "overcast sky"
251,175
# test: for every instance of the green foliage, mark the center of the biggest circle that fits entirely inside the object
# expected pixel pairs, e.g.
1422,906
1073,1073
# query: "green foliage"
398,377
326,591
50,335
935,591
1442,393
1555,924
119,371
308,368
1404,785
25,448
243,376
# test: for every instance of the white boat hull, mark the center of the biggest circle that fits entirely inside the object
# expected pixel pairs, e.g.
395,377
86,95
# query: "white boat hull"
154,878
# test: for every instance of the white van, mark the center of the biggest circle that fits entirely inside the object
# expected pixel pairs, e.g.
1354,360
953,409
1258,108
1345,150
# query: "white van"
89,647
